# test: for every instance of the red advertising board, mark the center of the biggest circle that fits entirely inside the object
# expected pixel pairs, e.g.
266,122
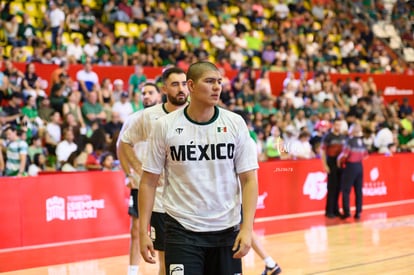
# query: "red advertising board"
62,207
73,206
290,187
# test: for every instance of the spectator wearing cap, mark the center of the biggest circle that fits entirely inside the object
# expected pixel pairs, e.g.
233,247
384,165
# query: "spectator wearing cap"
16,153
405,108
320,129
118,89
136,79
123,107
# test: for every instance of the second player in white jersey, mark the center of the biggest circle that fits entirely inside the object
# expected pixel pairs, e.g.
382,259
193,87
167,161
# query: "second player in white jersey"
138,136
126,136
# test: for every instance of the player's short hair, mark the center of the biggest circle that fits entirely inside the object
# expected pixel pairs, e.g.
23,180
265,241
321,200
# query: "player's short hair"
173,70
152,85
196,70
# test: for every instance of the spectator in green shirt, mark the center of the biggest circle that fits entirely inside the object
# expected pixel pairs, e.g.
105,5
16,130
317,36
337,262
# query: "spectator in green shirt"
92,110
136,79
86,21
31,120
27,31
131,49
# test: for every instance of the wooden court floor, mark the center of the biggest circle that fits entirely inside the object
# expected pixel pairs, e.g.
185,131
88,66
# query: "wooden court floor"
382,242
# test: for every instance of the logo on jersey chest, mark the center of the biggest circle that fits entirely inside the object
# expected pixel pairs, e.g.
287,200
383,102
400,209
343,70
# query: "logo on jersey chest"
192,152
222,129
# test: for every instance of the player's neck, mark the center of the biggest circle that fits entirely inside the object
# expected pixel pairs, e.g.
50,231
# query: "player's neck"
200,114
169,107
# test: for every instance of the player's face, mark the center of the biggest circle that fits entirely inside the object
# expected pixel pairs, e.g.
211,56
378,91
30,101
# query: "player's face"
207,88
175,88
150,96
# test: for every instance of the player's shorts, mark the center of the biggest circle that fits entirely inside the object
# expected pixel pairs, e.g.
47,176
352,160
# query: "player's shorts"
133,203
158,230
188,252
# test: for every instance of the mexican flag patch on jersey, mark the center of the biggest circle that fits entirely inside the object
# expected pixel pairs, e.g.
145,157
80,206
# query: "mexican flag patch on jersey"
221,129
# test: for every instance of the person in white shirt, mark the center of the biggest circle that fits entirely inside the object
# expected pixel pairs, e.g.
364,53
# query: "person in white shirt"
228,28
91,49
56,19
281,10
53,133
75,50
87,79
383,139
301,148
218,40
123,106
66,146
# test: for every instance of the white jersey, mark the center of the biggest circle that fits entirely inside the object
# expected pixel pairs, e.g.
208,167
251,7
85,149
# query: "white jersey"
138,129
127,135
201,162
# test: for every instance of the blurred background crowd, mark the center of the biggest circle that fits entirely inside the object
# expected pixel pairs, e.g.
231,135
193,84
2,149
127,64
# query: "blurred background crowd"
71,123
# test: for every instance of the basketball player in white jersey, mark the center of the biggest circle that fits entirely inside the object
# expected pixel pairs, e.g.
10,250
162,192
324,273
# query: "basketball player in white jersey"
176,92
130,161
203,150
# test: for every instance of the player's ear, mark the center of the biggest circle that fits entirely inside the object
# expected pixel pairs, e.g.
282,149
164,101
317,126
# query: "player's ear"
190,85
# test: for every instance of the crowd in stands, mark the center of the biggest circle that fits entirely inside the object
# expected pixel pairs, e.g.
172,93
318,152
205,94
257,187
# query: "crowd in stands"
76,126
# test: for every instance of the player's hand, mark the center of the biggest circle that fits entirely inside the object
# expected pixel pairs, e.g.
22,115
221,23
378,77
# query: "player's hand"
147,248
242,244
131,182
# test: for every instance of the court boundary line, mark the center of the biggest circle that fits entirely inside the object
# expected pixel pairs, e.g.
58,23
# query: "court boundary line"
66,243
322,212
363,264
257,220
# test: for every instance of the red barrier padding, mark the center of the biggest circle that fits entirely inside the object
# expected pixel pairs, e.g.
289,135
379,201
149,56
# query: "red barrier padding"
73,206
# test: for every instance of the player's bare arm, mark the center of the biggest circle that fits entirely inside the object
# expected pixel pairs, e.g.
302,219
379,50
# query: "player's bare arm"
146,197
127,152
248,181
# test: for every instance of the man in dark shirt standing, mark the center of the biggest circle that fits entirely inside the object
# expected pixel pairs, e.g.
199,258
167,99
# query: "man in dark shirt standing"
352,155
331,147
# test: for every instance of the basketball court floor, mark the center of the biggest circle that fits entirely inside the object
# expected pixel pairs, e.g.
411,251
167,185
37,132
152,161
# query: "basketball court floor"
381,242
